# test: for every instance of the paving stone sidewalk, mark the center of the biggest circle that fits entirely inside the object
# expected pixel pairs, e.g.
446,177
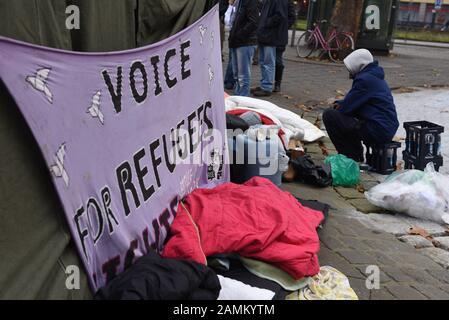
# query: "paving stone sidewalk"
358,235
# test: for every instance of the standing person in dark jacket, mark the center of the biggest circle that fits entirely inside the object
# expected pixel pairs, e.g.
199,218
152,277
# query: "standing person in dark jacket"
281,49
256,54
272,33
242,42
367,113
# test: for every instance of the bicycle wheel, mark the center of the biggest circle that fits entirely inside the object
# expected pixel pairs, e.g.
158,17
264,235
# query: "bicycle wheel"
306,45
341,45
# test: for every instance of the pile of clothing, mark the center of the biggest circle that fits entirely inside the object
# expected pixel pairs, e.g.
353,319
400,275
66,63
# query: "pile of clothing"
255,142
247,240
265,126
234,242
272,226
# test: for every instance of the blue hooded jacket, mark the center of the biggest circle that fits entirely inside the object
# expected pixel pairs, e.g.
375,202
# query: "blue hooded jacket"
370,101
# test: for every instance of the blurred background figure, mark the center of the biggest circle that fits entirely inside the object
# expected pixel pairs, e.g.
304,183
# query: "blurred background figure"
223,7
242,43
281,49
229,16
272,33
256,54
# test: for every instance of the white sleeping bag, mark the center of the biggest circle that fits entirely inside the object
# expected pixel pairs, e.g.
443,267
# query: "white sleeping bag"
290,122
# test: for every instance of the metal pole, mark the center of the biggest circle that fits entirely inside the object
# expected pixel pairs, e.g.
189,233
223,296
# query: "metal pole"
434,15
292,44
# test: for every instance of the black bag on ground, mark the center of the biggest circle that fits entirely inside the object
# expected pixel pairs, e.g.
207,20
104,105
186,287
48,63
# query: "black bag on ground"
307,171
234,122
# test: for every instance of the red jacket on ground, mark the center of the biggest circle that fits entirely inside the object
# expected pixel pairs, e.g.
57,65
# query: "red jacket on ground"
256,220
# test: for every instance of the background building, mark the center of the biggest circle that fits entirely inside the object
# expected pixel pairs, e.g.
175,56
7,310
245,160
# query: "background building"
423,13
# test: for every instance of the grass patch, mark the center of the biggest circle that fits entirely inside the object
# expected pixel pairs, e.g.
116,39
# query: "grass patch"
432,36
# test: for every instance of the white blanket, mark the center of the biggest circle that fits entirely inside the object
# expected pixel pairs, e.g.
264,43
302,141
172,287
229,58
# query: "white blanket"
235,290
290,122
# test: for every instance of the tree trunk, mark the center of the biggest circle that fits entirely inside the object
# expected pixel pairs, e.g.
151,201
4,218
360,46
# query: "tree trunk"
346,16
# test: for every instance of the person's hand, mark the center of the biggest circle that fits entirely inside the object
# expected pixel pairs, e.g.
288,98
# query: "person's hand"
335,106
231,2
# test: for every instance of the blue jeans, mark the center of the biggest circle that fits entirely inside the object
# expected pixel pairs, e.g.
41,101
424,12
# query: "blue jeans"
241,64
267,61
229,75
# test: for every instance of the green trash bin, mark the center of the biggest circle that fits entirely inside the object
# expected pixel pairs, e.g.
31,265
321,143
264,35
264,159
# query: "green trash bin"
377,25
320,10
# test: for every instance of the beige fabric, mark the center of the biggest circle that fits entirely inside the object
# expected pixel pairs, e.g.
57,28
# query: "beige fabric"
328,284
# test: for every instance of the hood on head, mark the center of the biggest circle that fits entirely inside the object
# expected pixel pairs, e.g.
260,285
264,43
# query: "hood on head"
358,60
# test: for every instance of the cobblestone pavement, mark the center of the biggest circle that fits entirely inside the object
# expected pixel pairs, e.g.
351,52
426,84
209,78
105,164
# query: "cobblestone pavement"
358,235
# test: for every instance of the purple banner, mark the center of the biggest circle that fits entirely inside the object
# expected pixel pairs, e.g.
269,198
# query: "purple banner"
125,135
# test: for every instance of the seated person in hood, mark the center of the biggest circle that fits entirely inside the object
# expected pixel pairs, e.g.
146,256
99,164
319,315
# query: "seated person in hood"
367,113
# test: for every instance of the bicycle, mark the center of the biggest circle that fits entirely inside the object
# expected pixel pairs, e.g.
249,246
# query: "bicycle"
338,45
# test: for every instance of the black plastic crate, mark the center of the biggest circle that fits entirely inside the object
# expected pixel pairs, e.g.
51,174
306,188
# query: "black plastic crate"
423,140
412,162
383,159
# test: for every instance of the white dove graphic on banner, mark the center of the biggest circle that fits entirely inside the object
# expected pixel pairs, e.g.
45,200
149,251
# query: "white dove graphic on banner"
58,169
203,30
94,109
211,75
39,82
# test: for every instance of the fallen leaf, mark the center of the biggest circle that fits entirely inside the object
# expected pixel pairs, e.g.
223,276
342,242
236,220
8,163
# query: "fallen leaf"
360,188
288,97
304,107
323,148
406,90
417,231
318,122
340,92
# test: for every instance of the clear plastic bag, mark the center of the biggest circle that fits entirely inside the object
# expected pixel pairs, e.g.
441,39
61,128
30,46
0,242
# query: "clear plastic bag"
423,195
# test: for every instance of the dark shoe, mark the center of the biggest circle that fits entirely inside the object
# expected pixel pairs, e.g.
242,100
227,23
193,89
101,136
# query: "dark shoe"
255,89
278,78
262,93
364,167
277,87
